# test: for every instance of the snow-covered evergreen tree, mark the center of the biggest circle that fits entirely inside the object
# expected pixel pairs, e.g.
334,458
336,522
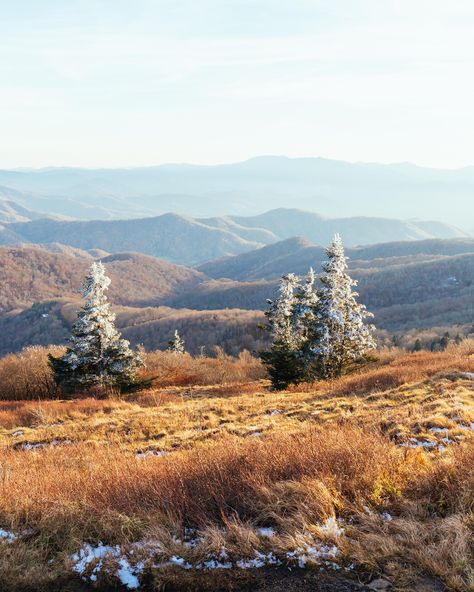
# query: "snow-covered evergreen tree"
176,345
306,300
97,355
338,336
283,360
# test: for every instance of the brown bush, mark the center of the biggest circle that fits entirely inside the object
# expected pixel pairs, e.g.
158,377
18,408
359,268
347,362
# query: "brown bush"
167,369
27,375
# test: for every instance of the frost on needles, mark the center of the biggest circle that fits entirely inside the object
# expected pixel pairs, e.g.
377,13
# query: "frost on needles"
317,332
176,345
338,337
97,355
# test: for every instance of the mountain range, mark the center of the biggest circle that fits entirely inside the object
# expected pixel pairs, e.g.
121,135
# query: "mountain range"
298,254
194,241
329,187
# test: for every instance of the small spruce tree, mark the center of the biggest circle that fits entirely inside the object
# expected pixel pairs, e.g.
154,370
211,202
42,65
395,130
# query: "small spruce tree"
176,345
283,361
97,355
338,337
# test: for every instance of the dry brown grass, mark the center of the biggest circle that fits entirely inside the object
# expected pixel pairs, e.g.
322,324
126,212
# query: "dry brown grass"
27,375
240,457
167,369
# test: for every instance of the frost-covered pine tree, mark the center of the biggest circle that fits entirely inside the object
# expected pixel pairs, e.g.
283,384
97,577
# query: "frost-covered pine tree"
306,300
283,360
338,336
176,345
97,355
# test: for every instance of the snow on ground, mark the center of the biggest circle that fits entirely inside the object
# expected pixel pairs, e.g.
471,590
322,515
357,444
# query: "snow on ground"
267,532
6,535
313,554
89,562
260,560
331,527
151,452
39,445
128,566
468,375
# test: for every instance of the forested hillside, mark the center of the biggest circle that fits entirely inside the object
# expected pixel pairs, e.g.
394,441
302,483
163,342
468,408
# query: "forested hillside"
421,286
30,275
192,241
298,253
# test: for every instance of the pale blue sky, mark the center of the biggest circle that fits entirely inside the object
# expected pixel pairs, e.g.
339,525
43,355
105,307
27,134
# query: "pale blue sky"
116,83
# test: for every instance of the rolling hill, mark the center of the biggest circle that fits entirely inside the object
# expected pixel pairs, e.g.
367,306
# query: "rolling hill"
31,275
410,286
189,241
298,254
317,184
286,223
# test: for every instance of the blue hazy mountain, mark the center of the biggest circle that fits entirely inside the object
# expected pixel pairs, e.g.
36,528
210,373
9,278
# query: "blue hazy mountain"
331,188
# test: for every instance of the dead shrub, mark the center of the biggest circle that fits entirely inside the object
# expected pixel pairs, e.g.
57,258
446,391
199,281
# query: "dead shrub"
27,375
168,369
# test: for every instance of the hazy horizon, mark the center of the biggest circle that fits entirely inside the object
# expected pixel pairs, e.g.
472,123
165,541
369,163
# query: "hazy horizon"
231,162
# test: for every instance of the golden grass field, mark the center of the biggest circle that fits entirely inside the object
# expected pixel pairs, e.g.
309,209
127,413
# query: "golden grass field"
195,486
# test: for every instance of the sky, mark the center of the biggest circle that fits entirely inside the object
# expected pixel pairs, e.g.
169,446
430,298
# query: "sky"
140,82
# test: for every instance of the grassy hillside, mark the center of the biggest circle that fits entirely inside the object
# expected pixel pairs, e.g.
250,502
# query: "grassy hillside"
227,486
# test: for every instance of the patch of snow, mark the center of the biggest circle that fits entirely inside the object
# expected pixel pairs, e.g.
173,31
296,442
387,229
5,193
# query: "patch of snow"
437,430
255,434
447,441
386,516
126,575
214,564
331,527
18,433
6,535
313,554
415,443
275,412
179,562
38,445
260,560
267,532
90,556
151,452
468,375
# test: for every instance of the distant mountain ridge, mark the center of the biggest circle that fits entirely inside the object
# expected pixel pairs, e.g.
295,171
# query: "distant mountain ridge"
194,241
11,211
330,187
